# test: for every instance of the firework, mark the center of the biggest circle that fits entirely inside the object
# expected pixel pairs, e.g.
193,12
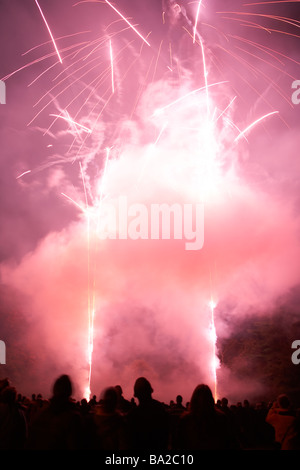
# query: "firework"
157,119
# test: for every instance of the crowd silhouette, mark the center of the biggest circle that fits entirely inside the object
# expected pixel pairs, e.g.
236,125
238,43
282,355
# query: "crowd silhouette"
113,423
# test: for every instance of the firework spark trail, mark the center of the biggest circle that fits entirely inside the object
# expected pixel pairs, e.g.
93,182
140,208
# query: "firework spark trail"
205,76
265,61
284,20
91,311
49,31
61,92
182,98
74,202
196,20
112,66
212,304
253,124
101,99
255,70
271,3
92,85
23,174
269,51
47,42
92,279
71,121
131,26
227,107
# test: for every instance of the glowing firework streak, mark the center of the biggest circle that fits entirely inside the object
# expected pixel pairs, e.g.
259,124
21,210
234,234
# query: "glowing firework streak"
131,26
49,30
91,300
91,311
112,66
227,107
212,306
160,110
253,125
22,174
90,352
86,129
203,55
196,21
74,202
205,75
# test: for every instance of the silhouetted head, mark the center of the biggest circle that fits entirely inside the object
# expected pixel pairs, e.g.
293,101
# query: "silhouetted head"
109,399
224,401
119,390
142,389
62,387
202,401
179,399
4,383
283,401
9,395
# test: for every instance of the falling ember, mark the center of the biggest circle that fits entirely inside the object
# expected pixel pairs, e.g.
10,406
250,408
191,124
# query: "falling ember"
49,30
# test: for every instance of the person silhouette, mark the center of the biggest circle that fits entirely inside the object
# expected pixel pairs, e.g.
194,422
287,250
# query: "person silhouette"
59,425
282,417
13,425
148,422
109,422
204,426
123,405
